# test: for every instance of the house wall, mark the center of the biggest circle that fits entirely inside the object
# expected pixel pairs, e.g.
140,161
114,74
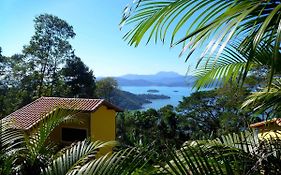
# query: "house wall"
103,127
270,132
103,124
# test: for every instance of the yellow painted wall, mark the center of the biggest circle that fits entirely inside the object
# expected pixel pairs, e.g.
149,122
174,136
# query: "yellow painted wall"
269,133
103,127
103,124
271,130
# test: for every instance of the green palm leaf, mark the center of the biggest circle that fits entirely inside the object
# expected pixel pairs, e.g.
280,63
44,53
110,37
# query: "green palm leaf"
266,100
232,65
71,159
210,24
11,140
11,144
37,141
242,153
216,71
124,162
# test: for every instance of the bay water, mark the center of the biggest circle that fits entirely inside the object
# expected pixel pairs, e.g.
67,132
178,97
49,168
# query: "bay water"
175,93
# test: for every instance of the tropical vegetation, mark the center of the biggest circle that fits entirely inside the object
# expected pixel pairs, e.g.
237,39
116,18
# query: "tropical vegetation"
233,37
242,153
207,133
235,40
25,153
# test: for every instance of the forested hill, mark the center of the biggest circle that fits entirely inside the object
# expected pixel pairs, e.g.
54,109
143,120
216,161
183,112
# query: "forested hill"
130,101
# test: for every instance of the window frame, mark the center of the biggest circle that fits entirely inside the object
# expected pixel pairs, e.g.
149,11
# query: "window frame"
79,128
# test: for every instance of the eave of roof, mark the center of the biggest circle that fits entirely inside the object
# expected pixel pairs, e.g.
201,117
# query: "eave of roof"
276,121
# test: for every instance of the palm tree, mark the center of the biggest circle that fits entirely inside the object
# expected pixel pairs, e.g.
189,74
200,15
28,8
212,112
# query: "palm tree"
221,28
81,158
22,153
235,36
237,154
30,152
265,100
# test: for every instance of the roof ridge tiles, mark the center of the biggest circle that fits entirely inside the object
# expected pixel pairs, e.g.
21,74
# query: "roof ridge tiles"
70,98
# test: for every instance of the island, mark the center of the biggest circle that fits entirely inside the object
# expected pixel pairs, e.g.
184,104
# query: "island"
153,96
152,91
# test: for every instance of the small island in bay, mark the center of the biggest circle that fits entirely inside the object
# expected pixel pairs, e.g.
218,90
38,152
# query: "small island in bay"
153,96
152,91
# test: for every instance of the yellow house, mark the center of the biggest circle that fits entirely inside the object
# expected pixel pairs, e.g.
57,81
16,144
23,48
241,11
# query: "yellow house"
97,118
268,129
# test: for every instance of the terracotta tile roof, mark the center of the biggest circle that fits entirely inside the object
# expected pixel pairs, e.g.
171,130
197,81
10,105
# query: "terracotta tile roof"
29,115
276,121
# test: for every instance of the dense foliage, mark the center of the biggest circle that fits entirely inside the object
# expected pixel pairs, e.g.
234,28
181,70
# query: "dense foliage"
240,153
79,80
33,153
230,39
204,114
237,36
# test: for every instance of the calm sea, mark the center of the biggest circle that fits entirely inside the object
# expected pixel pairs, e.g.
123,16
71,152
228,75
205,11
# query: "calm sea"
176,94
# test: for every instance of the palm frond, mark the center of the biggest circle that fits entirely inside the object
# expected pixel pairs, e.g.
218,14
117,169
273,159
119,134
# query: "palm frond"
217,71
234,64
242,153
11,144
157,17
36,140
123,162
11,141
246,141
266,100
71,159
210,24
208,158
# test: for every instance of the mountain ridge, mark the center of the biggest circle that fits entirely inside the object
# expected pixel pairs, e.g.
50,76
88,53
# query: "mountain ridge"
162,78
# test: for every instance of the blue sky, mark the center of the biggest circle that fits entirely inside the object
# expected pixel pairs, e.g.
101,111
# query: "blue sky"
98,40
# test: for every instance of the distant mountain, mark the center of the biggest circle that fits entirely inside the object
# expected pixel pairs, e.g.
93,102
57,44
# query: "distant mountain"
172,79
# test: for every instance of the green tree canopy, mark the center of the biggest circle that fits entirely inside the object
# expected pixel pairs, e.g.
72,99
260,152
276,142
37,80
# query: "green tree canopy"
78,78
48,49
106,87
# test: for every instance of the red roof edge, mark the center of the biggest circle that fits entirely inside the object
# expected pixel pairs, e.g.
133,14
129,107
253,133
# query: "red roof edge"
102,102
266,122
111,106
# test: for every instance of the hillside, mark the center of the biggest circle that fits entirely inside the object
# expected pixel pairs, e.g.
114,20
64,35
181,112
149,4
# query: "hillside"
130,101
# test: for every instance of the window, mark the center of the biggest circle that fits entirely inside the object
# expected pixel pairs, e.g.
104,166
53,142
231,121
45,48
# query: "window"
73,134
